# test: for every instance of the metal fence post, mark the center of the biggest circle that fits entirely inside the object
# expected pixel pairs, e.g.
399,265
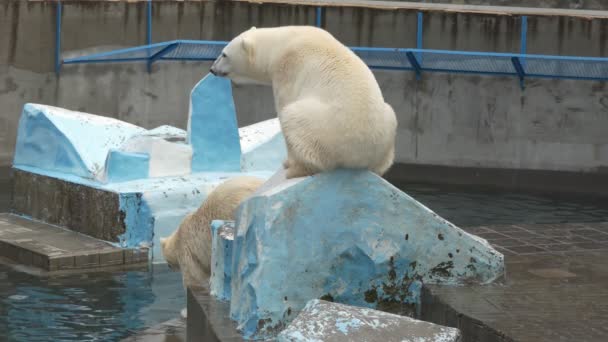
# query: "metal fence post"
149,31
522,50
58,38
318,16
419,32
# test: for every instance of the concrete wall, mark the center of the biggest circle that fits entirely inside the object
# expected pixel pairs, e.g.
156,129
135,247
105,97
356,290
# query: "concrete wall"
573,4
452,120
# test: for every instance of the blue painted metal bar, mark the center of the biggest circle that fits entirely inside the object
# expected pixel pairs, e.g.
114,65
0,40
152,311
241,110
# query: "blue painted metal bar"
58,38
149,22
414,62
187,59
381,67
524,35
520,71
457,71
318,16
419,35
523,41
419,31
110,60
161,53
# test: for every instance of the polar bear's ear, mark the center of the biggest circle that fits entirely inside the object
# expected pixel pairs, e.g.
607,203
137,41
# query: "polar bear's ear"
252,28
247,45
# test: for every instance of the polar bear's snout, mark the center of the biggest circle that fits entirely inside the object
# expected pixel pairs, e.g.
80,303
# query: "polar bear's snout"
218,68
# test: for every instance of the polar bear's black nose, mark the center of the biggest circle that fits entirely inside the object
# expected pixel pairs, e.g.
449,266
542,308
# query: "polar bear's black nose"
212,71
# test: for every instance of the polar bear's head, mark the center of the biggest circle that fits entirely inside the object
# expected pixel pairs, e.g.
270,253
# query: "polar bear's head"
238,61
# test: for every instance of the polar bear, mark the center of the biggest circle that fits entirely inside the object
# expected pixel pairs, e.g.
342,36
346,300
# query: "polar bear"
189,247
330,107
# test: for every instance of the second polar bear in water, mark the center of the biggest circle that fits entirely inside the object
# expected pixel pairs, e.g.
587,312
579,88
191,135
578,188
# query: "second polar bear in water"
189,247
329,104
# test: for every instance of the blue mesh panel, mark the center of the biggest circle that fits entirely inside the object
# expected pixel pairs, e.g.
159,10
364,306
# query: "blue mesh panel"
593,68
193,50
473,63
383,58
140,53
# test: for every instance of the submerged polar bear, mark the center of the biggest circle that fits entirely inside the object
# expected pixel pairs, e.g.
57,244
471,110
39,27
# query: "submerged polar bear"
189,247
329,104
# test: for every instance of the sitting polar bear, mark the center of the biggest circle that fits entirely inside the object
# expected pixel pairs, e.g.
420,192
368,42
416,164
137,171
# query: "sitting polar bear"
329,104
189,247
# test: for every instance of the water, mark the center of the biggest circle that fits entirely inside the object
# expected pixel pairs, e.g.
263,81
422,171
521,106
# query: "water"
86,307
112,306
467,206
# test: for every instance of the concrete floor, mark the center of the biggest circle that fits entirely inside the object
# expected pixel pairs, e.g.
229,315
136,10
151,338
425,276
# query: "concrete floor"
556,287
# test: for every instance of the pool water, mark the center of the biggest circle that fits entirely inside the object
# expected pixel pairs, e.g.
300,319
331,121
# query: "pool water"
111,306
466,206
86,307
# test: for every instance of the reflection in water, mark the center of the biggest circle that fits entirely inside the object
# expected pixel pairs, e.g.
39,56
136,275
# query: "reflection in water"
89,307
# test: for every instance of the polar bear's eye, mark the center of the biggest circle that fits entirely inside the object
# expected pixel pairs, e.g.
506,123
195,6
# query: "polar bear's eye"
224,55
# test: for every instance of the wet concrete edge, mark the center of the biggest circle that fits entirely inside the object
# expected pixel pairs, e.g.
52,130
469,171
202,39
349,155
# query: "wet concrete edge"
209,319
435,310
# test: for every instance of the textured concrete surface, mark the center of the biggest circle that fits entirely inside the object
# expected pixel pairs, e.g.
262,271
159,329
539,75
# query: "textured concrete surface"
555,289
332,322
347,235
52,248
573,4
84,209
554,125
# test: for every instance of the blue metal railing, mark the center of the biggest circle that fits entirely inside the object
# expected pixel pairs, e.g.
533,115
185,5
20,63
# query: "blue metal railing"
419,60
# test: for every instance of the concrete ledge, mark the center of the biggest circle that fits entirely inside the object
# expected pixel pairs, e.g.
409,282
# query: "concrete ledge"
208,318
437,311
78,207
52,248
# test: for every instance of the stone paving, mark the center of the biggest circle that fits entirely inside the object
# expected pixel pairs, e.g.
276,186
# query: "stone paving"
556,287
51,248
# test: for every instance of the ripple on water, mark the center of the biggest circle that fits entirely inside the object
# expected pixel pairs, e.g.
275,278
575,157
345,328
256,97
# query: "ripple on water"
100,307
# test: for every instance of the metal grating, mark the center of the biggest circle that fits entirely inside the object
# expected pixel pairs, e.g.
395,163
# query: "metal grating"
383,58
419,60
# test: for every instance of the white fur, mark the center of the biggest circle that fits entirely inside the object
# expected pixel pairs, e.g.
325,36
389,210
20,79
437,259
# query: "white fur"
189,247
329,104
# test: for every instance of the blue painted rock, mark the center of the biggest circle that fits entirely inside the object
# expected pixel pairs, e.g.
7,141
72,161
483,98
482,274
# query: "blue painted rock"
332,322
212,126
347,236
56,139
